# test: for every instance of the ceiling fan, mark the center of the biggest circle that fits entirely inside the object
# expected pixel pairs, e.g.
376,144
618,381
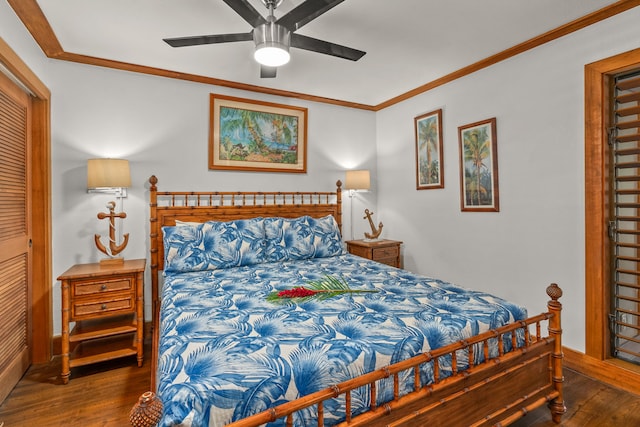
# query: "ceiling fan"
272,36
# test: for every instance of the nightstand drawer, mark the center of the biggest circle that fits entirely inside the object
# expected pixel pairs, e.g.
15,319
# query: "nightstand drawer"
91,309
98,287
393,262
388,252
359,251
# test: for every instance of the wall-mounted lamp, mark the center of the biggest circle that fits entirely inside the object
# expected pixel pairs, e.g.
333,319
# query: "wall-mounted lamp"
110,176
356,180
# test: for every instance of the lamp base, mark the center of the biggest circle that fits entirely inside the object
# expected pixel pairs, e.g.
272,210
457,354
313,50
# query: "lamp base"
111,262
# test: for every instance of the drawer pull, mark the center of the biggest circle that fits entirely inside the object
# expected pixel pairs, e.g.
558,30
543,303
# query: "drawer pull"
103,287
104,306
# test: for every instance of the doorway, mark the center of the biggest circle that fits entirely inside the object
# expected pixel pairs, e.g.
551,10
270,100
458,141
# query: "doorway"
598,209
624,216
38,192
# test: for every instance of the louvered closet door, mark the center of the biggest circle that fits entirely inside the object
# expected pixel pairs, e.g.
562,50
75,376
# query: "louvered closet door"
15,234
624,229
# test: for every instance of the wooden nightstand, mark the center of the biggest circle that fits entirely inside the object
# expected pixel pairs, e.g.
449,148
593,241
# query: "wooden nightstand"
383,251
107,306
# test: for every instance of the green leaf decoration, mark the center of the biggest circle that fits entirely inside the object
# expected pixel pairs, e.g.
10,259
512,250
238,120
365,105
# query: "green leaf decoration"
320,290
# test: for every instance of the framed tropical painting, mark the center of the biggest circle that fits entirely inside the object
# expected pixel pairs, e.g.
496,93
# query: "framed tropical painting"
257,136
429,166
479,167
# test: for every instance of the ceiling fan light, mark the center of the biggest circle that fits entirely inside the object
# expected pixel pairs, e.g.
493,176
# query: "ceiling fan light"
272,44
271,56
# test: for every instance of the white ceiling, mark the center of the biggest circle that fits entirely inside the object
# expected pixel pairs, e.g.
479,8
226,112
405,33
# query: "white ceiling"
409,43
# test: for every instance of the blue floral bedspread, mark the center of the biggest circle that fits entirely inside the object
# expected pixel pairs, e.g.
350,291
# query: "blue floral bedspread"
226,353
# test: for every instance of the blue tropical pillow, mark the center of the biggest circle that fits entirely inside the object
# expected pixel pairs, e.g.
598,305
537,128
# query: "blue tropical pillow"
213,245
287,239
327,240
290,239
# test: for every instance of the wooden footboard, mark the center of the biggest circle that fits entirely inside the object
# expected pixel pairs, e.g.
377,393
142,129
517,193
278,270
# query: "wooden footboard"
499,390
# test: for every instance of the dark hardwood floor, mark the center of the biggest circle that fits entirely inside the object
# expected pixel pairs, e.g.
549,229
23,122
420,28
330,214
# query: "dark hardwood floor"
103,394
589,403
97,395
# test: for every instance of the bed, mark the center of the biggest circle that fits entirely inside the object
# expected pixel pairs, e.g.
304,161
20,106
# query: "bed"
260,317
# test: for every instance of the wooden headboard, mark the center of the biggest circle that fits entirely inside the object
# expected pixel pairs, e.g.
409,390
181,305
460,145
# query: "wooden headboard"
167,207
199,206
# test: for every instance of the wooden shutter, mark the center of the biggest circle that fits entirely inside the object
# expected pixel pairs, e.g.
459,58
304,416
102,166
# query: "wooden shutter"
624,229
15,239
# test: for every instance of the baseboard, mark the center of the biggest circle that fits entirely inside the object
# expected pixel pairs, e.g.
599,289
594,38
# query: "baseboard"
617,373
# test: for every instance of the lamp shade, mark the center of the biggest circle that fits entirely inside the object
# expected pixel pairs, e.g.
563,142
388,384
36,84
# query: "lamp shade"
108,173
357,180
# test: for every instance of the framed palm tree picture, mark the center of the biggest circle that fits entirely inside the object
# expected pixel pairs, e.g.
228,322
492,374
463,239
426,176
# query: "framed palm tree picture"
253,135
429,166
479,167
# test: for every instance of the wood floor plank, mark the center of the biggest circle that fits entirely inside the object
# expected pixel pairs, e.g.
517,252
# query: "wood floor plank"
590,403
99,395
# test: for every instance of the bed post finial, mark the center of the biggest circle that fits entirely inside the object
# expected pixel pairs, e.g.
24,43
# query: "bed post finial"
554,292
554,306
153,181
147,411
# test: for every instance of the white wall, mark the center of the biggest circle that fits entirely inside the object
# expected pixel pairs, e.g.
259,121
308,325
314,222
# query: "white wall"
538,235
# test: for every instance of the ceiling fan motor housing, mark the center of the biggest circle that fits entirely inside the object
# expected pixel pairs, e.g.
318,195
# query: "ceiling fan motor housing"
272,43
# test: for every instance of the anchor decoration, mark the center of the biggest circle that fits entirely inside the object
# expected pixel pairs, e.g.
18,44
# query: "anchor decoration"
113,249
374,232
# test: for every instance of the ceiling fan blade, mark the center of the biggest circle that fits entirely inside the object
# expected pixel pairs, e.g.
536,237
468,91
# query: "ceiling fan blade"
306,12
267,72
321,46
246,11
216,38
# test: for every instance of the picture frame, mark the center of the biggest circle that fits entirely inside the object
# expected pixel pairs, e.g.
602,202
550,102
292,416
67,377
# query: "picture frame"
479,167
250,135
429,153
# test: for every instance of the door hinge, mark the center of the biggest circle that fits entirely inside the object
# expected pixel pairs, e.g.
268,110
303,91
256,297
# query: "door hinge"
612,334
612,230
611,135
612,323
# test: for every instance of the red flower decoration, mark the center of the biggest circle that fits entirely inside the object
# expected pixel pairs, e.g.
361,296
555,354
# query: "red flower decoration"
320,289
298,292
